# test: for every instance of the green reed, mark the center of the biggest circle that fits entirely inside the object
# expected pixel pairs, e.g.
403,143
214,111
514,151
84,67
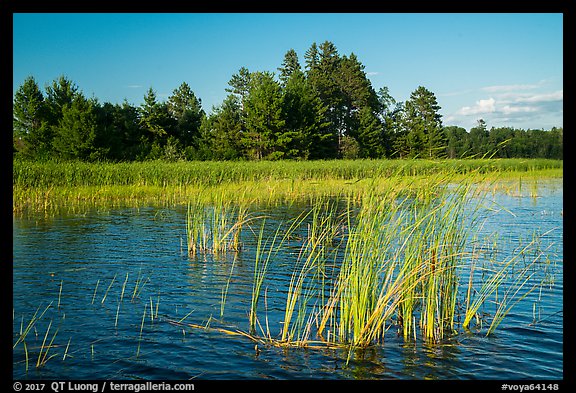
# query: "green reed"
511,277
310,262
401,257
266,249
51,186
215,228
141,329
46,344
44,349
205,173
35,318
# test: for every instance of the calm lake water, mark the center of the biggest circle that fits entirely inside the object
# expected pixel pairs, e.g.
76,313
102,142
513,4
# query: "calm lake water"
102,288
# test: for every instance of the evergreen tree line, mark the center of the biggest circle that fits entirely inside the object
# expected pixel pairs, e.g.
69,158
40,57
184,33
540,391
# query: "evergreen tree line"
326,109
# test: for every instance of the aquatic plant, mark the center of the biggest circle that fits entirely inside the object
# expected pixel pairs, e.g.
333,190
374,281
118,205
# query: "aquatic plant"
384,254
44,348
215,228
399,263
266,249
52,186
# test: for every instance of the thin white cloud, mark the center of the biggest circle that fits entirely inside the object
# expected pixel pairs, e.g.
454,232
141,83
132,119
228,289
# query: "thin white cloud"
372,73
507,88
546,97
515,87
455,93
509,109
134,86
508,98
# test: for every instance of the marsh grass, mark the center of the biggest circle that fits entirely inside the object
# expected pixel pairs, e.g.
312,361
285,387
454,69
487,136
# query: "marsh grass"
139,286
45,346
505,283
44,349
50,187
141,329
227,286
95,291
215,228
376,253
207,173
400,251
108,289
36,338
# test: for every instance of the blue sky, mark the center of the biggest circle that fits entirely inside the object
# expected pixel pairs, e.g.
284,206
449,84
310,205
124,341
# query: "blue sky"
504,68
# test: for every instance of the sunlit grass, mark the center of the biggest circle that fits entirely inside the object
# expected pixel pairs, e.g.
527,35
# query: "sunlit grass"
50,187
401,265
377,252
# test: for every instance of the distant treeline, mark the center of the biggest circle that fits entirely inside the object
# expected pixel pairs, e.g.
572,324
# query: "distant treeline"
325,110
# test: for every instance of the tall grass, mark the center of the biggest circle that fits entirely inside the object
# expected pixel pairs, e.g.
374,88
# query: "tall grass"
307,282
206,173
215,228
47,187
401,259
505,283
399,262
267,248
391,255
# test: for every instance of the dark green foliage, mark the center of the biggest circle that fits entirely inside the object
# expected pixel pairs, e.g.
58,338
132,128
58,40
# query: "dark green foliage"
240,83
155,119
264,121
327,110
32,134
370,134
289,66
458,143
186,112
304,114
76,132
423,126
479,139
220,132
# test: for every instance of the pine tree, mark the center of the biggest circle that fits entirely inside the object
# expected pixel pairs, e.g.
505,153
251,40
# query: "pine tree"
425,134
31,133
359,106
389,114
61,92
221,131
370,134
323,66
127,122
304,117
76,132
186,112
312,58
240,84
479,139
289,66
263,114
155,119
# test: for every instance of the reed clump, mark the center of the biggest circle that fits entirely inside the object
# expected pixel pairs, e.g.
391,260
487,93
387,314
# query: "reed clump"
391,258
215,228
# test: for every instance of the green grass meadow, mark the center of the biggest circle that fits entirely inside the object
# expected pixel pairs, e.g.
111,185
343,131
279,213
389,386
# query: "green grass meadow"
50,186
